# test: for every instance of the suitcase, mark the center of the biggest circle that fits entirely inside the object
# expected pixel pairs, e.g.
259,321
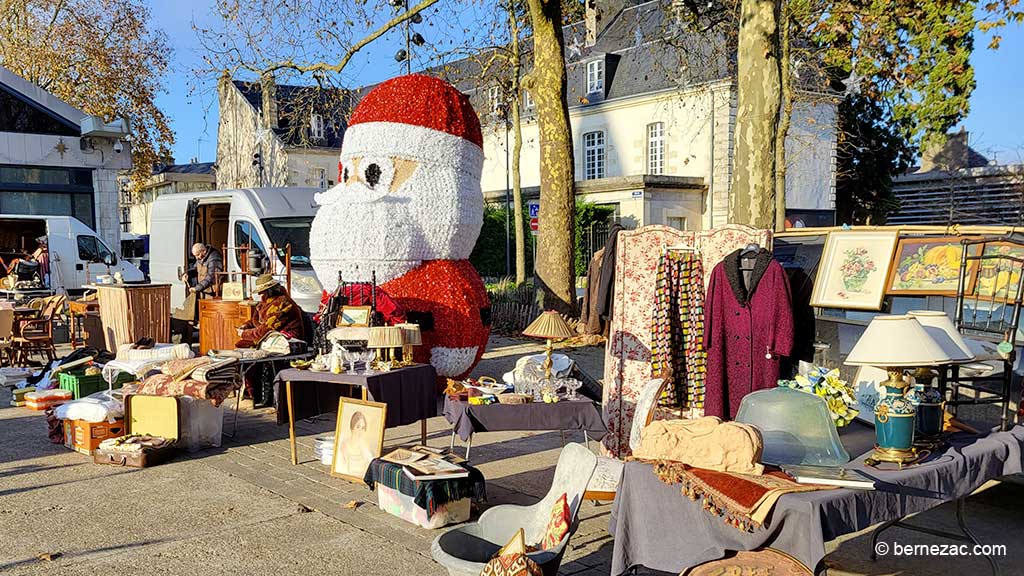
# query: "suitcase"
153,415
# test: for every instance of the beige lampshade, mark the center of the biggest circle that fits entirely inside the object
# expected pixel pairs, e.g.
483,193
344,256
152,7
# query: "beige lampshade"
411,335
941,329
385,337
549,325
894,341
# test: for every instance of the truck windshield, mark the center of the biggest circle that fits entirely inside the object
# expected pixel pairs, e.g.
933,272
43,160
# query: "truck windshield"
294,231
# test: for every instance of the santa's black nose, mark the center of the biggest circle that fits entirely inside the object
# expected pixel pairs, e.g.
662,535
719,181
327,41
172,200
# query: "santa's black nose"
372,175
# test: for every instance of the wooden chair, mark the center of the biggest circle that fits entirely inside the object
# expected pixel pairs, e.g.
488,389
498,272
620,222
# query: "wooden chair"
990,308
35,336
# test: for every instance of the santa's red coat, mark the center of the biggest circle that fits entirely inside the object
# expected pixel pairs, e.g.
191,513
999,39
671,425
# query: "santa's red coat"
452,292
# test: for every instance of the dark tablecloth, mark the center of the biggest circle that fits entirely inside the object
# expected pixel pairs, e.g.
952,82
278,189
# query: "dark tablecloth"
658,528
428,494
409,392
564,415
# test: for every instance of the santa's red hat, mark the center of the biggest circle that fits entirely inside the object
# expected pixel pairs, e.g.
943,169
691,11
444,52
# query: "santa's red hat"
419,117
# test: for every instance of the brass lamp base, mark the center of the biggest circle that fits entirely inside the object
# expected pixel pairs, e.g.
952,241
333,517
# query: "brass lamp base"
894,455
547,359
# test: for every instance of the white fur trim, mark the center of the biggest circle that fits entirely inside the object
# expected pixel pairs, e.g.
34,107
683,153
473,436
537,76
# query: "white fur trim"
450,362
413,142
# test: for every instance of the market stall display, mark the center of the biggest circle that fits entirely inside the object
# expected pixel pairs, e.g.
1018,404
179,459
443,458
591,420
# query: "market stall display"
130,312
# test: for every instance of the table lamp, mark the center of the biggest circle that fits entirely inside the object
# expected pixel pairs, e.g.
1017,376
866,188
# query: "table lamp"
550,326
894,343
385,338
411,336
927,398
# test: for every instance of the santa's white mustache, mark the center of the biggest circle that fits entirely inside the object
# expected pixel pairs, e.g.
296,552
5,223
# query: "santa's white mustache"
356,192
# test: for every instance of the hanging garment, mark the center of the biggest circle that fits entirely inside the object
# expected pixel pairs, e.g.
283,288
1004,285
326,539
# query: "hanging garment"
677,329
590,316
606,288
748,327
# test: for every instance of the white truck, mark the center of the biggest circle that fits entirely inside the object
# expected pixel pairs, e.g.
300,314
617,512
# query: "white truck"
77,255
258,217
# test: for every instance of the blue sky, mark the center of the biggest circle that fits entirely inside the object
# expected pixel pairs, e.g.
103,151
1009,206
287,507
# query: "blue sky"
995,122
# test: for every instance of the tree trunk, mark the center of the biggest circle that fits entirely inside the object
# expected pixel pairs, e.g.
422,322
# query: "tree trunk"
753,192
785,119
556,272
517,147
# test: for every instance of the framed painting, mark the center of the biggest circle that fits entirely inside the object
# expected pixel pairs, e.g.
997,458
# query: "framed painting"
997,278
930,267
358,437
354,316
853,270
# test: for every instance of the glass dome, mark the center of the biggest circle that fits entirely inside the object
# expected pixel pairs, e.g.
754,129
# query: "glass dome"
796,427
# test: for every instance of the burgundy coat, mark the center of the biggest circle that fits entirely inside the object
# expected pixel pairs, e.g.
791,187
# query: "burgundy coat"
741,326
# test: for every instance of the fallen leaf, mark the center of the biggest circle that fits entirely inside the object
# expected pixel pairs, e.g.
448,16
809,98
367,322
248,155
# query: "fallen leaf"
48,556
351,505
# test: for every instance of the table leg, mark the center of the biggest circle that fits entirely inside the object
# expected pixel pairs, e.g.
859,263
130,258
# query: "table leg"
291,420
423,431
451,444
74,331
363,388
469,446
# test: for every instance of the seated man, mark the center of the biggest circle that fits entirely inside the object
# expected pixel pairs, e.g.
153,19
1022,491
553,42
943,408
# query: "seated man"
275,312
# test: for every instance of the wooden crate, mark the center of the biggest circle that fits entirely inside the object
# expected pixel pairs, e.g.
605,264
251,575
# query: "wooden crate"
129,312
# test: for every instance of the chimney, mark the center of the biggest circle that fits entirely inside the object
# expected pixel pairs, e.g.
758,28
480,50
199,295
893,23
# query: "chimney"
950,154
599,15
268,95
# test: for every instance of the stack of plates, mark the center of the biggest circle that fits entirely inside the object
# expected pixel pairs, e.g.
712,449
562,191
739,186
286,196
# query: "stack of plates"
323,447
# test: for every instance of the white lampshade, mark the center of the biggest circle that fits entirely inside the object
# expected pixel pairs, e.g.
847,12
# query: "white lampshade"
894,341
411,334
941,329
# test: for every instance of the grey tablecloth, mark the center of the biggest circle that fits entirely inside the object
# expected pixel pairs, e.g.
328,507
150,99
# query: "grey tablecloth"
657,528
410,392
564,415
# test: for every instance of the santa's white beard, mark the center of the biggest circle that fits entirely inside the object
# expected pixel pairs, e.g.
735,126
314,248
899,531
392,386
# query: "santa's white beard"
358,234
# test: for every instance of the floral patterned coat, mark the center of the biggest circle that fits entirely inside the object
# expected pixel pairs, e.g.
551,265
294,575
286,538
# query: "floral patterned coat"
277,313
746,331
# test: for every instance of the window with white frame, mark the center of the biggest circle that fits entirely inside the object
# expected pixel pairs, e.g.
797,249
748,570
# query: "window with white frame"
595,76
494,98
319,177
316,126
528,102
656,148
593,155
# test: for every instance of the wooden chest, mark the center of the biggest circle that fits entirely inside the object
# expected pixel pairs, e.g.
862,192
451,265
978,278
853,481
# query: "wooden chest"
219,321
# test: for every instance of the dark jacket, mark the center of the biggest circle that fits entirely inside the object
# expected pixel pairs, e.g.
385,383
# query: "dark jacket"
207,269
746,331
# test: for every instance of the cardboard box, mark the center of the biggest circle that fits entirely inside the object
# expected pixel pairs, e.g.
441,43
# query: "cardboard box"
85,437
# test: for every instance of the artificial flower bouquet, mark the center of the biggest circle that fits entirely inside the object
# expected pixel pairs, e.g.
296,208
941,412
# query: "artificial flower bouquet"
826,383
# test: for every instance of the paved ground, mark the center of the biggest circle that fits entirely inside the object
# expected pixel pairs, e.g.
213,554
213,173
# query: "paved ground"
244,509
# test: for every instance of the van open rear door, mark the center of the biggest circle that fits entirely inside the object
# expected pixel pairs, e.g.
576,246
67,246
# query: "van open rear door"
191,233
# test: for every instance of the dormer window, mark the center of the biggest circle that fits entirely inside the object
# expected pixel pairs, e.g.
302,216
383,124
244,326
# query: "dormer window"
316,127
595,76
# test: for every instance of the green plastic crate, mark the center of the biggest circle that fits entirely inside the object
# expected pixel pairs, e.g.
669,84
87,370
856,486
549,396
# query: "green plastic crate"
81,385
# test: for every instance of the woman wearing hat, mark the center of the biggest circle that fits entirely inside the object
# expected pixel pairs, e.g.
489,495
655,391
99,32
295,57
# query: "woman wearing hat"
276,312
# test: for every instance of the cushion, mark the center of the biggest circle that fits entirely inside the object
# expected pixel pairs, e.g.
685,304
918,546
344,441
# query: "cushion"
558,523
511,560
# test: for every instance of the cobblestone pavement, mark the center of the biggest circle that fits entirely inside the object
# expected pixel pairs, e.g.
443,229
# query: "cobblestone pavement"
244,508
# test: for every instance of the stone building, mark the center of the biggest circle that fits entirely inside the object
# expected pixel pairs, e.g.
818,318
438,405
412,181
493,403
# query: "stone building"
56,159
273,134
166,179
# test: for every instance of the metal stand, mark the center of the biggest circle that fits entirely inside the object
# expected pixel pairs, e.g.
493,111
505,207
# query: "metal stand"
965,536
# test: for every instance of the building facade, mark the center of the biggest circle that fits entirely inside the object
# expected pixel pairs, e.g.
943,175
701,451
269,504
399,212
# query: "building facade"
273,134
57,160
167,179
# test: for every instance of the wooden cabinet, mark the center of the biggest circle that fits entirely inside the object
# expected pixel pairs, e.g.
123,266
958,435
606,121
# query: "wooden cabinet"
130,312
219,321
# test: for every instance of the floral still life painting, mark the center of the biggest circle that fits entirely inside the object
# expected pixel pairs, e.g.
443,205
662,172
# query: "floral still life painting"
853,270
930,266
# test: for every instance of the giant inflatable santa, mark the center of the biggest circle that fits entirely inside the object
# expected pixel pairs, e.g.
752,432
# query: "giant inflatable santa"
408,207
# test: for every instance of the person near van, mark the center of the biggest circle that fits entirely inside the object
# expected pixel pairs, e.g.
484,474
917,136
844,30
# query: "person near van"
276,312
208,264
42,256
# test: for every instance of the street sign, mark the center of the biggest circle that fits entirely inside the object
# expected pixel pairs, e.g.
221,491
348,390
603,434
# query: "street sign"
534,225
534,210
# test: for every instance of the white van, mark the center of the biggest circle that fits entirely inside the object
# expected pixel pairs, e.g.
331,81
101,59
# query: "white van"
77,255
225,218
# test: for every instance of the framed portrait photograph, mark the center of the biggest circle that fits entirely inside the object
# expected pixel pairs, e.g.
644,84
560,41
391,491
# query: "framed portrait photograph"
358,437
354,316
854,269
930,267
997,278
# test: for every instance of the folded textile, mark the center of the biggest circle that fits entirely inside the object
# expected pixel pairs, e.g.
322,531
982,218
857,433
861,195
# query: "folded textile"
216,370
133,444
744,500
181,369
166,385
158,352
241,354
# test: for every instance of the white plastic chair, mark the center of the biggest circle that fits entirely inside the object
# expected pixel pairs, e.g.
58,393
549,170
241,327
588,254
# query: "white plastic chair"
605,481
465,550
